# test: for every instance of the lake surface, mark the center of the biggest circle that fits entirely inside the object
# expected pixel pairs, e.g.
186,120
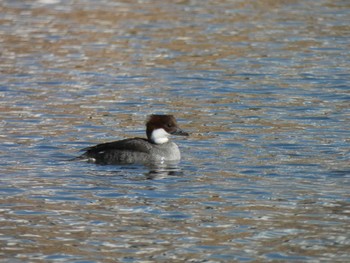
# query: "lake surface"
262,86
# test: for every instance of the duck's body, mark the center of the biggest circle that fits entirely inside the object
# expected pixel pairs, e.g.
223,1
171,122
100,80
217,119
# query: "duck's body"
156,148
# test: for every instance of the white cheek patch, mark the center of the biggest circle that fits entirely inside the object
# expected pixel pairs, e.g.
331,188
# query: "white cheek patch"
160,136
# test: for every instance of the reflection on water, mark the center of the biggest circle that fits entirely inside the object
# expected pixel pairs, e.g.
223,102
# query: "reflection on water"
263,88
164,169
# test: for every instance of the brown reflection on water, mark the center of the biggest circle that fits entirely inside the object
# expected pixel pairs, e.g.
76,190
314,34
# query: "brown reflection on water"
87,37
113,228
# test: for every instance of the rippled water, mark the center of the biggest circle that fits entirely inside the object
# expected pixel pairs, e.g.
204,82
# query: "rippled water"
263,87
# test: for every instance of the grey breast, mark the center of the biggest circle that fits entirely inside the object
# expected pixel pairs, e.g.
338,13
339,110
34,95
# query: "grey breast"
167,151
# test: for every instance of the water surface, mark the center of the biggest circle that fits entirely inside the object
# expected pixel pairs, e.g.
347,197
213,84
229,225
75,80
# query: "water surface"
263,88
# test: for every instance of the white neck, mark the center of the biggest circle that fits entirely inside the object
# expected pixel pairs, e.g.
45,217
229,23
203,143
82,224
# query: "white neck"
160,136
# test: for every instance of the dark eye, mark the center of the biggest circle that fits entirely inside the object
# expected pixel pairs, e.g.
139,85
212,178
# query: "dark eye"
169,125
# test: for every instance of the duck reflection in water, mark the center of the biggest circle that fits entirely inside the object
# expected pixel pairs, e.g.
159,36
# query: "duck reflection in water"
164,169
